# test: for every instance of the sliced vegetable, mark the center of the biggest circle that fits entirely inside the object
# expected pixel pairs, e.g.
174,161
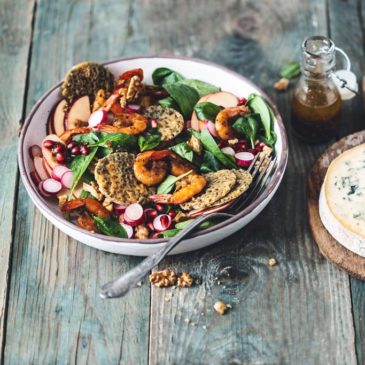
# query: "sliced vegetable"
149,140
206,111
248,126
244,159
211,128
210,145
42,191
109,227
119,209
128,229
40,168
58,171
162,222
51,186
67,179
183,150
133,212
185,97
228,151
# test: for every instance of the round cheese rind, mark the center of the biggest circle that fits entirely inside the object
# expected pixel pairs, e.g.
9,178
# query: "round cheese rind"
342,199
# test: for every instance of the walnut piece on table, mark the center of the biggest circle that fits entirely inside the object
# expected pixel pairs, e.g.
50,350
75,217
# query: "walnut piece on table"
163,278
184,280
272,261
282,84
220,307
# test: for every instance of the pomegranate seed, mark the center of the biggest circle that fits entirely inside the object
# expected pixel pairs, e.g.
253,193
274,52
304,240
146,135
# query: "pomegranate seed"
75,150
159,207
150,226
240,147
58,148
155,235
153,123
121,218
60,157
84,150
258,149
251,151
150,214
71,145
242,101
48,143
172,214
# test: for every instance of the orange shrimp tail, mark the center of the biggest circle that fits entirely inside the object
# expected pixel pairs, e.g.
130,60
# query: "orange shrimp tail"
161,198
86,222
69,133
72,205
95,207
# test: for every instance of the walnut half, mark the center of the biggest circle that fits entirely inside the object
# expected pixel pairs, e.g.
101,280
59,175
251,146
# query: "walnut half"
184,280
163,278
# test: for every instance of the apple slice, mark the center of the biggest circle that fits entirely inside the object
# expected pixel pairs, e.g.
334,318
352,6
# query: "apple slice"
223,98
58,117
40,169
47,167
47,153
79,113
194,119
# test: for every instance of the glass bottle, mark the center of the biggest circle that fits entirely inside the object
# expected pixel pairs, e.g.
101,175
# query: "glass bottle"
316,106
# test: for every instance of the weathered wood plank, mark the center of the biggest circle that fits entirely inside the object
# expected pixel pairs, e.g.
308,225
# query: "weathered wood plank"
14,49
298,312
350,15
55,314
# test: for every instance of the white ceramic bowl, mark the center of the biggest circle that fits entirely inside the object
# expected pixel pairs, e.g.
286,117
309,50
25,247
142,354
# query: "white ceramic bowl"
34,130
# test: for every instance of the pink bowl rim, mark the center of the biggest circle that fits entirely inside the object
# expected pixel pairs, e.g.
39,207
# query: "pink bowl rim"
276,179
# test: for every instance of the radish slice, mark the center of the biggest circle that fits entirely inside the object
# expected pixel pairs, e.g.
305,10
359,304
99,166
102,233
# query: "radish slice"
67,179
128,229
42,191
119,209
162,222
35,151
51,186
154,123
134,107
125,219
228,151
150,214
98,117
58,172
211,128
244,159
134,212
35,178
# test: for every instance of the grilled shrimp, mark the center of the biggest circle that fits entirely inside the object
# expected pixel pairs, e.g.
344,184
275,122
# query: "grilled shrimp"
190,186
151,167
128,123
69,133
224,119
91,206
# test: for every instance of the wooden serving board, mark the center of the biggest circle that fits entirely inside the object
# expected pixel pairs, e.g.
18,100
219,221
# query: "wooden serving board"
329,247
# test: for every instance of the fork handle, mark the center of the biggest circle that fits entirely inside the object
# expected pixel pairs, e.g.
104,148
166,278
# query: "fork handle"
121,286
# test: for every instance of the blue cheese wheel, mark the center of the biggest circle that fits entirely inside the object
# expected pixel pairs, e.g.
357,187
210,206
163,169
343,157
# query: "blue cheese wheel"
342,199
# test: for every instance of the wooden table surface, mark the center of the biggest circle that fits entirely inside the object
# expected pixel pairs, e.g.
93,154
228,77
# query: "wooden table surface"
302,311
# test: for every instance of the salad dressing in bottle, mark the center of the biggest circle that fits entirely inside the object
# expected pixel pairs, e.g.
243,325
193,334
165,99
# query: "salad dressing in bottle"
316,106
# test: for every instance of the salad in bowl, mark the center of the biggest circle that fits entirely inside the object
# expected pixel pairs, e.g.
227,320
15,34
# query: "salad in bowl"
132,159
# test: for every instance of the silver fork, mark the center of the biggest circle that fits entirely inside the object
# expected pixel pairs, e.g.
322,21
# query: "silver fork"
121,286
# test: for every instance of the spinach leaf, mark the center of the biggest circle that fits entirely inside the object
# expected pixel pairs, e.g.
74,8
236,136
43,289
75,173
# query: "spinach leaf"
169,102
110,227
201,87
123,141
248,126
88,138
163,76
183,150
210,163
149,140
207,111
185,96
210,145
170,233
169,183
269,141
257,104
290,70
79,166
